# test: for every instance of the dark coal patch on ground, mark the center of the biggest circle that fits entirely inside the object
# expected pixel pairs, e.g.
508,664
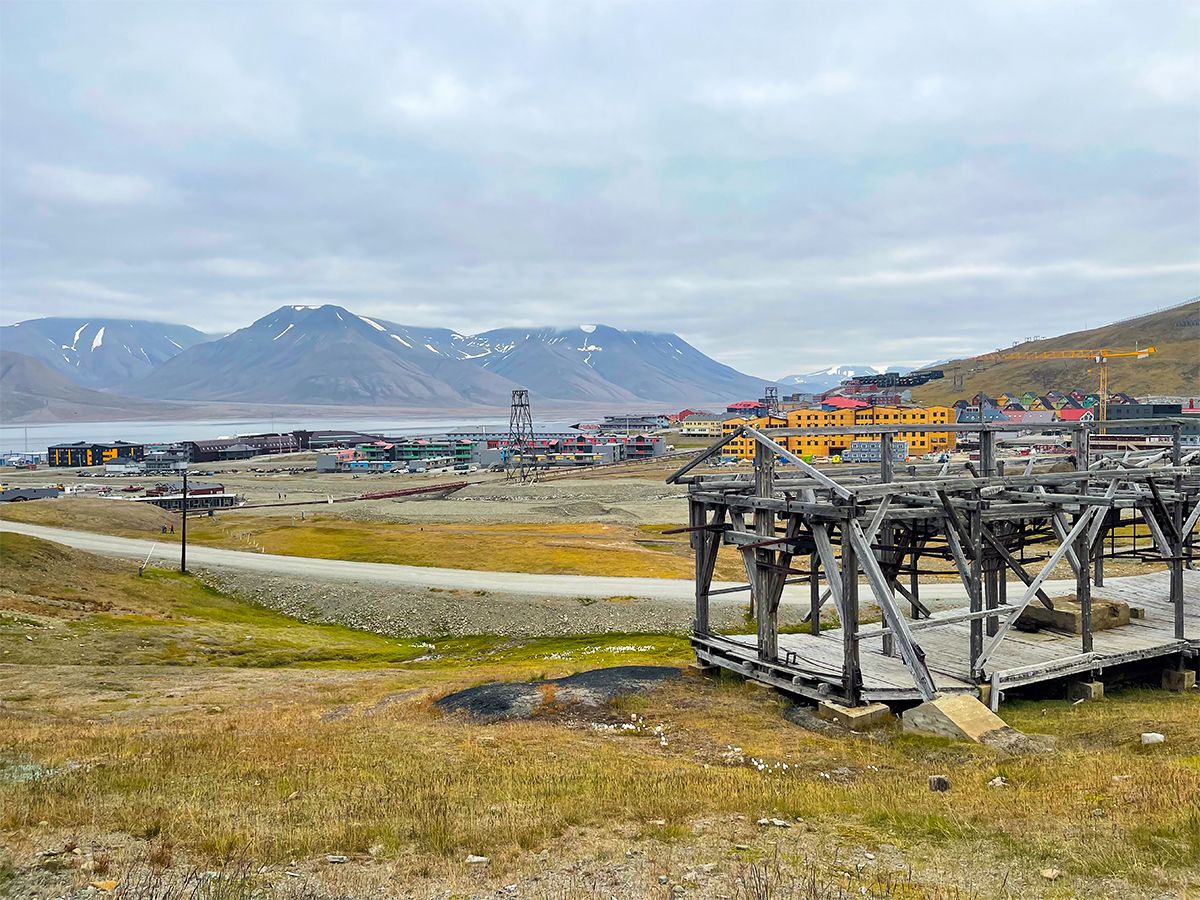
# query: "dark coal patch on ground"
525,699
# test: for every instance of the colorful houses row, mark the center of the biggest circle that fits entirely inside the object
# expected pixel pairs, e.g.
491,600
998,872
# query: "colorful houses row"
461,454
1051,401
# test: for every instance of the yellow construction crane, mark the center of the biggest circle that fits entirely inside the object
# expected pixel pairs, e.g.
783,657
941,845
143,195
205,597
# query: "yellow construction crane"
1101,356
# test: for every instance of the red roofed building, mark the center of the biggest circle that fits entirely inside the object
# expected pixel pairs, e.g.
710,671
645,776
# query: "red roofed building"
1076,415
843,403
747,408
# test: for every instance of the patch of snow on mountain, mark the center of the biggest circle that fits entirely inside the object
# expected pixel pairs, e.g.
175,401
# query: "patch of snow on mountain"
396,337
373,323
433,349
282,333
177,347
99,338
75,340
587,329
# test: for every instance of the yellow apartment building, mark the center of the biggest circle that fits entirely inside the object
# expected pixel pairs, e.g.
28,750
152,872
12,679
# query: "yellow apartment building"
919,443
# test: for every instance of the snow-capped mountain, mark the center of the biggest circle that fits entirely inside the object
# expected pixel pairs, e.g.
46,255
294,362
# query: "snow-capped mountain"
828,379
327,354
99,352
599,362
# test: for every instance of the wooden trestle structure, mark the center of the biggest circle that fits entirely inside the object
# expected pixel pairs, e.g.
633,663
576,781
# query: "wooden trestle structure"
794,524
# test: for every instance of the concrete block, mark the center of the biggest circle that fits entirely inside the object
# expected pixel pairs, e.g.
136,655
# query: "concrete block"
1085,690
985,695
959,717
857,718
1067,615
1178,679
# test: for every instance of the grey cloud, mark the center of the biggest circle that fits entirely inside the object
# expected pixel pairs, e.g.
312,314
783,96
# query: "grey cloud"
787,185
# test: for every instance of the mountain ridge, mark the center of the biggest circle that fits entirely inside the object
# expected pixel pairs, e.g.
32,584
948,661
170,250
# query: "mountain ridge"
99,352
329,354
1173,370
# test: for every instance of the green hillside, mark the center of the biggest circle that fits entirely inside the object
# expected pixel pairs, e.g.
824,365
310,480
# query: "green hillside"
1173,370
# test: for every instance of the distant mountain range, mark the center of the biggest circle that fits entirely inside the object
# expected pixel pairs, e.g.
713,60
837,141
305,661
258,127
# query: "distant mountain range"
329,355
827,379
99,353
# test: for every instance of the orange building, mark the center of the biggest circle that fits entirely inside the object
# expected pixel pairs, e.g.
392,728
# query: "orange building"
919,442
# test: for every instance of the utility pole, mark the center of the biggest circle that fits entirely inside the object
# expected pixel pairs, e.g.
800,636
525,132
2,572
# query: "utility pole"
183,530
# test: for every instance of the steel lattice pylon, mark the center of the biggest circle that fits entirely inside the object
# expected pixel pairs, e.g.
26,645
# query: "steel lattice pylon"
519,460
772,400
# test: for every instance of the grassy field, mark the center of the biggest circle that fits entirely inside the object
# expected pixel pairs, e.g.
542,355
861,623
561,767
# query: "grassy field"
161,725
570,548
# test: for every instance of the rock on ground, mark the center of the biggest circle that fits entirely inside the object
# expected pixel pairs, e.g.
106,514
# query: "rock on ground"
523,699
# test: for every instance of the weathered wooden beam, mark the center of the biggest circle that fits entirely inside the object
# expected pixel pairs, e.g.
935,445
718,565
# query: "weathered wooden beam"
813,472
1031,590
910,652
707,454
848,609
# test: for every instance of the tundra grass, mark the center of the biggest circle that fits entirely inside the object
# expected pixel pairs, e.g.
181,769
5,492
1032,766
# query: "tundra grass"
273,758
574,548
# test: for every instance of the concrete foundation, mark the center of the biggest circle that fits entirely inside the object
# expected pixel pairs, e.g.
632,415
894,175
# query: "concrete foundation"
857,718
959,717
1067,615
1085,690
1178,679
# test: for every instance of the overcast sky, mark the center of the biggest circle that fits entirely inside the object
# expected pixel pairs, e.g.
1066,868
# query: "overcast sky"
786,185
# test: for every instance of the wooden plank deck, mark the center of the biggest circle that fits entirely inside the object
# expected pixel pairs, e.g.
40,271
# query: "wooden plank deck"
1022,658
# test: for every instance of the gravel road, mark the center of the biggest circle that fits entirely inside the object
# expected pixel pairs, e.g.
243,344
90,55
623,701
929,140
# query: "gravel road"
393,599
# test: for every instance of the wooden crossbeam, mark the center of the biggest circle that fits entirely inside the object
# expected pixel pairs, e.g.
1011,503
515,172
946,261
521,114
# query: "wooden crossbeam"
1031,590
910,652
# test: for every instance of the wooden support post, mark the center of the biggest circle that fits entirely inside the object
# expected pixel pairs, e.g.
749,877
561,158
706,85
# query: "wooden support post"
814,592
886,476
1083,589
1098,563
764,557
887,464
914,581
975,588
851,668
1079,444
1179,538
704,546
987,452
991,588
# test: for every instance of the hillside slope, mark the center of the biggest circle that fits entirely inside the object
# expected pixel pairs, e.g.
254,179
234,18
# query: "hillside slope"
327,354
1174,370
99,353
31,390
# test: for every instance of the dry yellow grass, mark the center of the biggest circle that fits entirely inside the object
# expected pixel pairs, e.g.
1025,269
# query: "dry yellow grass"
576,548
286,764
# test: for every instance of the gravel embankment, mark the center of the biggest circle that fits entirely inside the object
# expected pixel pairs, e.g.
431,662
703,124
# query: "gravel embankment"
410,611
